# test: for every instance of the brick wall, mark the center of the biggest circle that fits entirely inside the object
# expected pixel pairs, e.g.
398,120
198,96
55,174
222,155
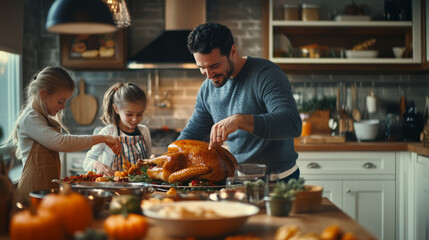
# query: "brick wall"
243,17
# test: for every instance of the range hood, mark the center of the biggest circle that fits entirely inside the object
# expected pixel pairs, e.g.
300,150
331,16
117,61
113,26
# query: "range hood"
169,50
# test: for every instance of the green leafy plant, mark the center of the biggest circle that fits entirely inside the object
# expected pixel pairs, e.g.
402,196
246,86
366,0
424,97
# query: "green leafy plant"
325,103
287,190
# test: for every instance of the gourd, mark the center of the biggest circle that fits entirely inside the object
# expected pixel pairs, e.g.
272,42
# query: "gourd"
129,227
43,225
73,209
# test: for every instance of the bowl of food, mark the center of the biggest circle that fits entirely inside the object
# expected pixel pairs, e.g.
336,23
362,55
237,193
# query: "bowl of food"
200,219
366,130
361,53
37,196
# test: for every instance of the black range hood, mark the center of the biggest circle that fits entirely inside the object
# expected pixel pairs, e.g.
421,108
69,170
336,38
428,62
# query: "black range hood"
169,50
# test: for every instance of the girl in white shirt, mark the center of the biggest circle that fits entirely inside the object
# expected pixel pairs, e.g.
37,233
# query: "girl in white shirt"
38,132
124,105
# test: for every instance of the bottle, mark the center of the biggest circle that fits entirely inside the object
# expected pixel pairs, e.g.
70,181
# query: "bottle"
306,126
389,10
410,123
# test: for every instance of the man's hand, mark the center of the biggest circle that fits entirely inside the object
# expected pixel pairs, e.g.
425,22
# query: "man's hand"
221,130
102,168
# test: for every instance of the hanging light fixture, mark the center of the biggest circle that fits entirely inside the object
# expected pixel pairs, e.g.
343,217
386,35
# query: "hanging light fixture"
120,12
80,17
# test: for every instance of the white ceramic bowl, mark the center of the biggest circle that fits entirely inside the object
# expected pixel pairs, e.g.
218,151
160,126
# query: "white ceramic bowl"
232,216
366,130
361,53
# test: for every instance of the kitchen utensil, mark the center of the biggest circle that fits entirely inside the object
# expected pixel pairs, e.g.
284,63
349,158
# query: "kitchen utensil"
230,217
322,138
355,112
402,103
366,130
83,106
371,102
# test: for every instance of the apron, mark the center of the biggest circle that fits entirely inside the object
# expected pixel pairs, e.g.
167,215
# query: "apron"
41,167
133,149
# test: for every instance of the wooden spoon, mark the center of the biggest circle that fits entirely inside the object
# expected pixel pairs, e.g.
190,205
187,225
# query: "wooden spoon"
355,113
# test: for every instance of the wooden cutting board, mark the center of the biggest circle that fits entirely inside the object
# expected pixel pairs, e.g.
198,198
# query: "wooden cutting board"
322,139
83,106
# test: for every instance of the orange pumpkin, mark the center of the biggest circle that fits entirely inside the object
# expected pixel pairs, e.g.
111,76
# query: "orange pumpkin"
43,225
73,210
131,227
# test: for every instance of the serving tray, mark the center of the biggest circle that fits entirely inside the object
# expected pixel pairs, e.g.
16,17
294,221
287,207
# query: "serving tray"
105,185
137,185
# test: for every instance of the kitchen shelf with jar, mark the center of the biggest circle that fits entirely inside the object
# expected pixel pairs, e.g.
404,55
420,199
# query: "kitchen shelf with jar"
326,44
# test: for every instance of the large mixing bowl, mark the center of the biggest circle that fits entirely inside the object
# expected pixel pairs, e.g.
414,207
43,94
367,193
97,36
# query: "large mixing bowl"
366,130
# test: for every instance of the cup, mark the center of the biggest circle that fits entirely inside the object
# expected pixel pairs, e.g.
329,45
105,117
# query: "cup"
398,51
252,187
251,170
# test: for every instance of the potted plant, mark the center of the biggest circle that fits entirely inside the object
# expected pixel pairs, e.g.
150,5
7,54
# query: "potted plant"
279,201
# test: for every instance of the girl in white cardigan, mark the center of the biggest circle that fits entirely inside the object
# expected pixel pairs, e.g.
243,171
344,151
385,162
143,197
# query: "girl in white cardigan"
38,132
124,105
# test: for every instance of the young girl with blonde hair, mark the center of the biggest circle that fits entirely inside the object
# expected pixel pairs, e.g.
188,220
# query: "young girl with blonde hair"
124,105
38,132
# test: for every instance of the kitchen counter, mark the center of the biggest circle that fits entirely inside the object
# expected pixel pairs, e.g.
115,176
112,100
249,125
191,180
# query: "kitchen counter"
364,146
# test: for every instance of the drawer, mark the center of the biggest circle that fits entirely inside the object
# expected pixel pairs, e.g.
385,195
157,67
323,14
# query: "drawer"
346,163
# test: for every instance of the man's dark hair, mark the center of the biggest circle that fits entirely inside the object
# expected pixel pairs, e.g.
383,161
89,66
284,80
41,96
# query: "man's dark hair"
208,36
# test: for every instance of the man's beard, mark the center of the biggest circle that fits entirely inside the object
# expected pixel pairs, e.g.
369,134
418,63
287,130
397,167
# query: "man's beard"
228,74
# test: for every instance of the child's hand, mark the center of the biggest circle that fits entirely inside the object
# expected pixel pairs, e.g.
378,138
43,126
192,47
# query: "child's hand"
114,143
102,168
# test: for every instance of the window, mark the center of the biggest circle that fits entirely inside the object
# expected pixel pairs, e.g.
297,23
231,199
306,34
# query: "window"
10,93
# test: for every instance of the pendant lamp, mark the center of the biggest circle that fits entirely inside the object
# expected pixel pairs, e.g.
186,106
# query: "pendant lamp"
80,17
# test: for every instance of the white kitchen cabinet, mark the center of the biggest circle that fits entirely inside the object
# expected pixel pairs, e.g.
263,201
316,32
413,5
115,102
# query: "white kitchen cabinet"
413,197
332,189
332,38
371,204
362,184
422,198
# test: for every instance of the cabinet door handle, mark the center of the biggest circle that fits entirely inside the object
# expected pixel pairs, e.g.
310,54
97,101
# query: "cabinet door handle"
348,191
313,165
369,165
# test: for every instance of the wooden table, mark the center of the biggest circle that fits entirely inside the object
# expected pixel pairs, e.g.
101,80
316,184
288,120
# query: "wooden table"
265,227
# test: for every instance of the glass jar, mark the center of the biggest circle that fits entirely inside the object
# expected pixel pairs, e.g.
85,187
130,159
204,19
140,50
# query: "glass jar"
310,12
290,12
393,127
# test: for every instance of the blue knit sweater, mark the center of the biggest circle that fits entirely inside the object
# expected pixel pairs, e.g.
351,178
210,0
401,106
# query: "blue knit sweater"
262,89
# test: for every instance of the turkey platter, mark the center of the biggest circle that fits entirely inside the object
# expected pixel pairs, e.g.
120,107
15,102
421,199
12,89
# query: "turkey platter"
188,160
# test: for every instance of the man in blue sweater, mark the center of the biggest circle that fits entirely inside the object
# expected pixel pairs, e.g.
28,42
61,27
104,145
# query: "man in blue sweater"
244,101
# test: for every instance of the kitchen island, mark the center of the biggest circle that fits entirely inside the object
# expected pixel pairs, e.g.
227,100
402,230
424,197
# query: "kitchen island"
265,227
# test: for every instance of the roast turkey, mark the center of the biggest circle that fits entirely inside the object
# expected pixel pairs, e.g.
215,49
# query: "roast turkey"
188,160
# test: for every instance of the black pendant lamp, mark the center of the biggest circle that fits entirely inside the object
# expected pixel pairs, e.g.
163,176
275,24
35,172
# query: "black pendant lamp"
80,17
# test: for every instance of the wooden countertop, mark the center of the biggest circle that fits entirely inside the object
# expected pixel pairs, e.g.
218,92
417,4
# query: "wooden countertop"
364,146
265,227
